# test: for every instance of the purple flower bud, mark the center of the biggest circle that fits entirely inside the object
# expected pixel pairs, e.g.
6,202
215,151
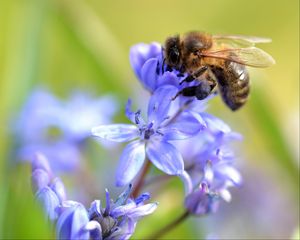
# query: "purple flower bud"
142,52
58,187
41,162
39,179
72,223
49,201
201,201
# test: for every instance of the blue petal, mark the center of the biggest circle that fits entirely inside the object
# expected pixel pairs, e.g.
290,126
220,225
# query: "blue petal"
165,157
185,126
140,53
131,162
41,162
187,181
49,201
95,209
149,74
39,179
72,223
134,117
141,211
215,124
159,104
168,78
116,132
200,202
95,230
122,210
58,187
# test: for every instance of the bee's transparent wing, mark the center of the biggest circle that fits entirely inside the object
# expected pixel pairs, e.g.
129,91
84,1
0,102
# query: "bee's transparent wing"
250,56
239,41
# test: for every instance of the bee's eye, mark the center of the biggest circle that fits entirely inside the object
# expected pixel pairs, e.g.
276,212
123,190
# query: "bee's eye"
174,57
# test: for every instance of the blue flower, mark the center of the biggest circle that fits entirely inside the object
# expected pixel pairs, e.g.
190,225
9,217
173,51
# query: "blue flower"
210,164
147,63
117,220
201,201
151,139
59,128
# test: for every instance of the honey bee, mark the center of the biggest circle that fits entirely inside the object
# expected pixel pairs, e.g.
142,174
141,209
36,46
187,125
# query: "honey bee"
216,60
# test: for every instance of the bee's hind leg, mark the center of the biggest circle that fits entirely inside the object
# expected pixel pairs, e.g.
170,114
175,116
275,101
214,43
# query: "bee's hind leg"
200,91
203,90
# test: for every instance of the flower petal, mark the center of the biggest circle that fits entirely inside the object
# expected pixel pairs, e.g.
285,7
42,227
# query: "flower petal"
41,162
141,211
215,124
140,53
116,132
185,126
149,74
201,203
159,104
95,230
72,222
58,187
131,162
49,201
39,179
165,157
168,78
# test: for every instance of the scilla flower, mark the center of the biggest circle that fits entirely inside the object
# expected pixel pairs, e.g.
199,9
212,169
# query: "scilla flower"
117,220
210,163
151,139
59,128
148,65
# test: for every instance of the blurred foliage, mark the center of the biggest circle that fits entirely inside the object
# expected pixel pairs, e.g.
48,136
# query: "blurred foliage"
67,45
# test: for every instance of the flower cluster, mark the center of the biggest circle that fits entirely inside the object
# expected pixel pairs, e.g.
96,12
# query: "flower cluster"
179,137
175,134
117,220
59,128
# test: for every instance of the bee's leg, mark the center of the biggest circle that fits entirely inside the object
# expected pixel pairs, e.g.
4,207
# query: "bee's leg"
195,75
189,78
204,89
187,92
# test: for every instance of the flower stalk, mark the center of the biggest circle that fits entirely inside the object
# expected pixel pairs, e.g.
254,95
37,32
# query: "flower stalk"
141,180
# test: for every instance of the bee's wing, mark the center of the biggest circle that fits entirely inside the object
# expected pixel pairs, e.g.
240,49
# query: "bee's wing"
239,40
250,56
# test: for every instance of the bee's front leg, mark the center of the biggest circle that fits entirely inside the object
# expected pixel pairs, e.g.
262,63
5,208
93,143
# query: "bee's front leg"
195,75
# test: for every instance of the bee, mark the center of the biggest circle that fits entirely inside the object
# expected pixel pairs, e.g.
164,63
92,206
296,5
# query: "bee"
216,60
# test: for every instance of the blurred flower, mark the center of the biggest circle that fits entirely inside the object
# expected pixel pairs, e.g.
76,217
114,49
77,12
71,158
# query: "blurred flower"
59,128
152,136
210,164
117,220
201,201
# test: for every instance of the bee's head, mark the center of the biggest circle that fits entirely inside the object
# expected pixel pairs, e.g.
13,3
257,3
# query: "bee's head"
172,51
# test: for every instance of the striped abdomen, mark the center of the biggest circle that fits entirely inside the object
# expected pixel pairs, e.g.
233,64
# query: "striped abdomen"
233,82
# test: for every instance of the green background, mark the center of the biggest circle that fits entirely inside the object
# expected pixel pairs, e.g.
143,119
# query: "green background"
74,44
